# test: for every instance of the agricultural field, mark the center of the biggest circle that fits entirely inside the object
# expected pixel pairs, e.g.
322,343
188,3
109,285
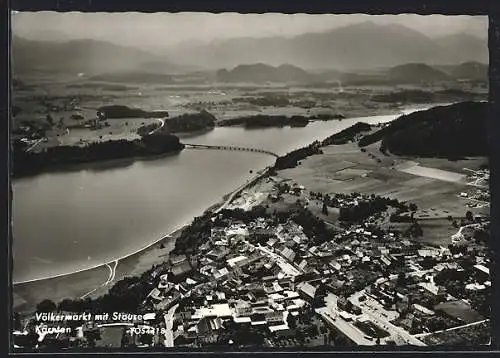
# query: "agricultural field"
434,189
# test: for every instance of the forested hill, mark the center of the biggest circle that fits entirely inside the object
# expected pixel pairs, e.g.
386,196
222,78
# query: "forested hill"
453,131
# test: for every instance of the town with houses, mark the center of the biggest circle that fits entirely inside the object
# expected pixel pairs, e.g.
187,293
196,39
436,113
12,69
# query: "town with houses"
266,278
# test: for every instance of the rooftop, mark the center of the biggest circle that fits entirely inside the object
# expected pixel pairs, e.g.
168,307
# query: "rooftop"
215,310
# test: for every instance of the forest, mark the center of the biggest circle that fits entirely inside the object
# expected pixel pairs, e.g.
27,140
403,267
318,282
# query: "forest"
453,132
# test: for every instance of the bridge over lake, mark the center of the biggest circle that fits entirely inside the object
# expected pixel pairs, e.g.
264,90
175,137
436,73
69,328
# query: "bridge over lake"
230,147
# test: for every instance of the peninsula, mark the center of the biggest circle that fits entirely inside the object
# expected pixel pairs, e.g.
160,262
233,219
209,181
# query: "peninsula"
25,162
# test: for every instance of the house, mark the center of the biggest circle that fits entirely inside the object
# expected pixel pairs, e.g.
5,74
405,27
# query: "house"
281,330
482,268
272,241
221,310
428,252
307,291
218,253
277,287
303,264
334,264
235,261
262,233
168,301
243,308
221,274
177,259
165,286
290,295
345,315
423,309
181,269
385,260
313,250
299,239
432,288
288,253
474,287
190,282
274,318
218,232
275,298
208,329
156,295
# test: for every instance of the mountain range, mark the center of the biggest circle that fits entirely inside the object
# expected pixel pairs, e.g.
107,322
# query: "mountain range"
83,56
350,48
360,46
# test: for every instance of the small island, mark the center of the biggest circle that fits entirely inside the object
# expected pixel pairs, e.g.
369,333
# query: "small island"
263,121
190,122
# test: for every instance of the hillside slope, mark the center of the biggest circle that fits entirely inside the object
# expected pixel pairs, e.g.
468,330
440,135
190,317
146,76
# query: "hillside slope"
453,131
416,72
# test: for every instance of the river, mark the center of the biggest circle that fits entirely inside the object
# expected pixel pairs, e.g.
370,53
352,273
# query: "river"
69,221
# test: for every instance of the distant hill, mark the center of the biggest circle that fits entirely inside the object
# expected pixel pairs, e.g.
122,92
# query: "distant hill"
363,45
471,70
409,73
454,131
415,73
402,74
81,56
261,73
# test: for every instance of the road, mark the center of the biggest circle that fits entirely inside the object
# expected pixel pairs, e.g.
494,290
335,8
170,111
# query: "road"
112,272
459,232
34,145
479,176
382,317
384,323
169,323
238,191
451,329
160,127
331,300
286,266
111,277
349,330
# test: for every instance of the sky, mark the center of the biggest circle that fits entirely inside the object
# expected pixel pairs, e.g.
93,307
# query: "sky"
167,29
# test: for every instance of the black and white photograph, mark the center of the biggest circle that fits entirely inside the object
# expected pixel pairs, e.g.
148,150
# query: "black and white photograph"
198,181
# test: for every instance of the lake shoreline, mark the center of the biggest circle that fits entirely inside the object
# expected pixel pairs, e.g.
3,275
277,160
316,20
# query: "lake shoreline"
95,165
29,293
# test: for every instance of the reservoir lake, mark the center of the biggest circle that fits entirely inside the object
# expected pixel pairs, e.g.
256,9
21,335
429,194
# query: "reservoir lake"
68,221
